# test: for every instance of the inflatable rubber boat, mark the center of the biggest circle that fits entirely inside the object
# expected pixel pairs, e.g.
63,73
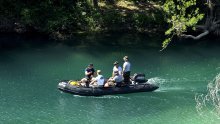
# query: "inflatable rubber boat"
139,84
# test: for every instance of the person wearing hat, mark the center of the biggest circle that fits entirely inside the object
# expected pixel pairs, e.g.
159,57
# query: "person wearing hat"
116,80
99,80
126,70
117,68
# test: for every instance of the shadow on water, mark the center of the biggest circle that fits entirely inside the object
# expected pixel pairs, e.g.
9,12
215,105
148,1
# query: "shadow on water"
100,41
11,41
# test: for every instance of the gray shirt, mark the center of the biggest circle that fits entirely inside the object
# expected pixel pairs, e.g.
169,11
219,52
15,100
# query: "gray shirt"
118,78
126,67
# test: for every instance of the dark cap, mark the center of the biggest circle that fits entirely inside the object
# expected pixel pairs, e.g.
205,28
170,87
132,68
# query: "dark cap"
116,62
90,64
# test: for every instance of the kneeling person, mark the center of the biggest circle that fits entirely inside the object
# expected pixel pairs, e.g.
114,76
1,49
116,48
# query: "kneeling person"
99,80
115,81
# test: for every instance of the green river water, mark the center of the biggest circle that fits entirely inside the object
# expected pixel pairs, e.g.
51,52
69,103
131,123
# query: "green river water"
29,76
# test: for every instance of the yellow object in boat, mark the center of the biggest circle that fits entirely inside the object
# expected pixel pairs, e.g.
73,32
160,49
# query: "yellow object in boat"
75,83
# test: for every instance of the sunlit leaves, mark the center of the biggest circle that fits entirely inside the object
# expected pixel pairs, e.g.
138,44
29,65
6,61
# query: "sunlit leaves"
166,42
180,15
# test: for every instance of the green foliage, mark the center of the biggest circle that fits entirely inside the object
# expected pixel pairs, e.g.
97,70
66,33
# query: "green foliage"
65,17
166,42
180,15
142,20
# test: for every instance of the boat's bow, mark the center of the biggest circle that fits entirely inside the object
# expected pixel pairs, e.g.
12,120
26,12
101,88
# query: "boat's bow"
62,85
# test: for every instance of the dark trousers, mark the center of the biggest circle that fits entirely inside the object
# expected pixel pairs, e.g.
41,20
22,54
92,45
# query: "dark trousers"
118,84
126,76
88,80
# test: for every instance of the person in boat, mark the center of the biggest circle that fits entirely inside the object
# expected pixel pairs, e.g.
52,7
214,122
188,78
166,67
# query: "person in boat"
126,70
114,81
98,81
117,68
89,73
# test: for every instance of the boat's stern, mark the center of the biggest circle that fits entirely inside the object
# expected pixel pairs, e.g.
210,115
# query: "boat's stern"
154,86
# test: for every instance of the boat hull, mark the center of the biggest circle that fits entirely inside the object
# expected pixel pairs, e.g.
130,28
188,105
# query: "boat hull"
99,91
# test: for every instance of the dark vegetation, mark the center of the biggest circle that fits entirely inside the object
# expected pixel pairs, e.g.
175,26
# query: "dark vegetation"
63,18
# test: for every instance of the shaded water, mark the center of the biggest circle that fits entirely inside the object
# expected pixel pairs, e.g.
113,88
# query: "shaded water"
29,77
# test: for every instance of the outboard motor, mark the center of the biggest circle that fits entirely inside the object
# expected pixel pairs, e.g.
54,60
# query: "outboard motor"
139,78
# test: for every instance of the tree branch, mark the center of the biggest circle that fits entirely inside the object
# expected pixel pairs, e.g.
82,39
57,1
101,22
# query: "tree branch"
218,21
203,27
196,37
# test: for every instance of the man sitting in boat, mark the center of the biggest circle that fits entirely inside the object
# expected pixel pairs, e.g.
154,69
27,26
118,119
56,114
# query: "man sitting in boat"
98,81
89,73
117,68
114,81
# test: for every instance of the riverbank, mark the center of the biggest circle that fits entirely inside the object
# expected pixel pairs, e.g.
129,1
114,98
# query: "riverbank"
61,20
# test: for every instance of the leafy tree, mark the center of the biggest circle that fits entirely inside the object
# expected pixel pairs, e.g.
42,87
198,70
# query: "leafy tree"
212,21
180,15
185,14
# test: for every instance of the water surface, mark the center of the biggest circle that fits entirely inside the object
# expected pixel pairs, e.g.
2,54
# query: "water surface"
29,76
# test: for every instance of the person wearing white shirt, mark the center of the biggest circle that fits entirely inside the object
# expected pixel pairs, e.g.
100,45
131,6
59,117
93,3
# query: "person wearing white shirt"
114,81
116,68
99,80
126,70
